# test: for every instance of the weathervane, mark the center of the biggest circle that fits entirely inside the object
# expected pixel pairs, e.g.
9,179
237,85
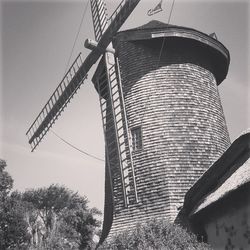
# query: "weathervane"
156,9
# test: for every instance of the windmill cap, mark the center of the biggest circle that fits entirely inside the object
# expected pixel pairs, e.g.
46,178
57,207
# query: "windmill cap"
154,24
181,36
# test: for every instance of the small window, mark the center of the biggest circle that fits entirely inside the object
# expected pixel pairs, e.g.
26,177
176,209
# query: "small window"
136,138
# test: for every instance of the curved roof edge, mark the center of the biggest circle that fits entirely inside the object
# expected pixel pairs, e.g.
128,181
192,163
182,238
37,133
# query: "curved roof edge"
157,29
210,179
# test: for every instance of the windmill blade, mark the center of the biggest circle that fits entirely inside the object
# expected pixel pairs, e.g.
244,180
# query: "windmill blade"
117,19
76,76
61,96
99,17
57,102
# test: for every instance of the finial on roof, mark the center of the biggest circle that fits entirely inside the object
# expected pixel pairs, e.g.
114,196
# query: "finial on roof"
213,35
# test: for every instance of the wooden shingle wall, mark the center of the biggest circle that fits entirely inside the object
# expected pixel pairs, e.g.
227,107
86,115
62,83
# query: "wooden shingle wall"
175,100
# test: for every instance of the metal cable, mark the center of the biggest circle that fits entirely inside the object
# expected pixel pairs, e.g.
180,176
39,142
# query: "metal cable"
80,150
77,35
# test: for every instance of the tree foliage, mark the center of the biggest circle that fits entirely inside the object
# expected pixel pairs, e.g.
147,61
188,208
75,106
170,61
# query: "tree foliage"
44,218
154,235
6,182
13,227
66,221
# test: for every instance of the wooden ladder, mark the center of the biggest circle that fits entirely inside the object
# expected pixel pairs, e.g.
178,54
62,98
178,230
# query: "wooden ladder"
112,103
118,143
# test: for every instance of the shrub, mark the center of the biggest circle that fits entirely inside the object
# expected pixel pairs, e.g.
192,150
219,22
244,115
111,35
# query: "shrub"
155,234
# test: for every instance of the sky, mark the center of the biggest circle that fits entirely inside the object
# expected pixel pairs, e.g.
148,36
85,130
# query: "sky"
36,40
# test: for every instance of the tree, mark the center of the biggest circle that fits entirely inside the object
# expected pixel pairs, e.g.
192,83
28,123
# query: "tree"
84,224
67,222
6,182
44,218
155,234
13,228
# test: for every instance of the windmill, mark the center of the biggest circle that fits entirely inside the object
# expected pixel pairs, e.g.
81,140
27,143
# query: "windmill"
161,112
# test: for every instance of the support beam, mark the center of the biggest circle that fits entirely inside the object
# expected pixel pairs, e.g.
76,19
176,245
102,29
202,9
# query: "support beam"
92,44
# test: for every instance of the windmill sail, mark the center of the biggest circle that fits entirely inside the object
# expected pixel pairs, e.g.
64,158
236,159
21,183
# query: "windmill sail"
76,76
57,102
99,16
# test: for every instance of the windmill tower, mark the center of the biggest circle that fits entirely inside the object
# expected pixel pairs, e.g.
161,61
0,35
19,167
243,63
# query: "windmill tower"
161,112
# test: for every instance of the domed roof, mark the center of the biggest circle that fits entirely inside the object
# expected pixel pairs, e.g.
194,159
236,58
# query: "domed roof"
154,24
155,30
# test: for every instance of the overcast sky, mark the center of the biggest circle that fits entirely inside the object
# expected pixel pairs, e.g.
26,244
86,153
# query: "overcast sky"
36,40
